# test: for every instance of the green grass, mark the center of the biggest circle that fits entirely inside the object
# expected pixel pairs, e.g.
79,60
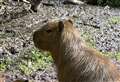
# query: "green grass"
5,63
90,43
2,66
115,55
88,39
28,62
37,60
114,20
113,3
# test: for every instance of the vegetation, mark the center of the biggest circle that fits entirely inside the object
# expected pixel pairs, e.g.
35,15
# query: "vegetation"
37,60
90,42
4,64
114,3
88,39
114,55
114,20
28,63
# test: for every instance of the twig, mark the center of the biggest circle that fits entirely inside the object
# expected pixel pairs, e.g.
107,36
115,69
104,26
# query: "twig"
95,26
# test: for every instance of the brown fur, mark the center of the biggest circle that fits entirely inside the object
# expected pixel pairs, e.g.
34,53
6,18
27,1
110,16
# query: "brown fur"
2,77
75,62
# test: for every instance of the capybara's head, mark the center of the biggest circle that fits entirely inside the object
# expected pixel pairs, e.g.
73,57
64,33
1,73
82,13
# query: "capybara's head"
48,36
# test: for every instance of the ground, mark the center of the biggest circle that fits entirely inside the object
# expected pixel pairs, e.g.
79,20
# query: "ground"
99,27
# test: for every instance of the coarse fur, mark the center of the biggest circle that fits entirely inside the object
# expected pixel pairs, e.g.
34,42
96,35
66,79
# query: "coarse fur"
75,61
2,78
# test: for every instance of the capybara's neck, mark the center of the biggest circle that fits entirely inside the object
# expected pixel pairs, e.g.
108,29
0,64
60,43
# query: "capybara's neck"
70,42
67,55
72,56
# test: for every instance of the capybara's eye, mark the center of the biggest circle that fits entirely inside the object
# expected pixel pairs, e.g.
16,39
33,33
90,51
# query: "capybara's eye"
49,31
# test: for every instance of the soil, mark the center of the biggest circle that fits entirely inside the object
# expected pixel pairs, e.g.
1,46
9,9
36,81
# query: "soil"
18,22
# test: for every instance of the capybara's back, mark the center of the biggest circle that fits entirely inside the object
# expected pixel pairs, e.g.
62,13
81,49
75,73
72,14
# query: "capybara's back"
75,62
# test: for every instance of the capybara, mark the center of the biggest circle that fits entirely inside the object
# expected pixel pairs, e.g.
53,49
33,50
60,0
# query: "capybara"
75,61
2,77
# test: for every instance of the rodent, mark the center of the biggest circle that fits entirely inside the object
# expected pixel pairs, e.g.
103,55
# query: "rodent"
75,61
2,77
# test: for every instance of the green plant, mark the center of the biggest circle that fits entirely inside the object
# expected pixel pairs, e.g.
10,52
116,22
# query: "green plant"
5,63
114,20
114,3
2,66
88,39
115,55
35,60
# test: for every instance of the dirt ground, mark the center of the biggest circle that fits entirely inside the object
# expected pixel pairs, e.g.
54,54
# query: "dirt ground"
17,24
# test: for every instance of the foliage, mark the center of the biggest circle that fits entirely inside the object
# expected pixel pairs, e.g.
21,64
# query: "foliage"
114,20
2,66
5,63
115,55
90,42
37,60
88,39
114,3
28,62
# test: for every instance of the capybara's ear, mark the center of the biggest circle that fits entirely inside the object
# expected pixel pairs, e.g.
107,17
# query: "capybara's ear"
70,20
61,25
